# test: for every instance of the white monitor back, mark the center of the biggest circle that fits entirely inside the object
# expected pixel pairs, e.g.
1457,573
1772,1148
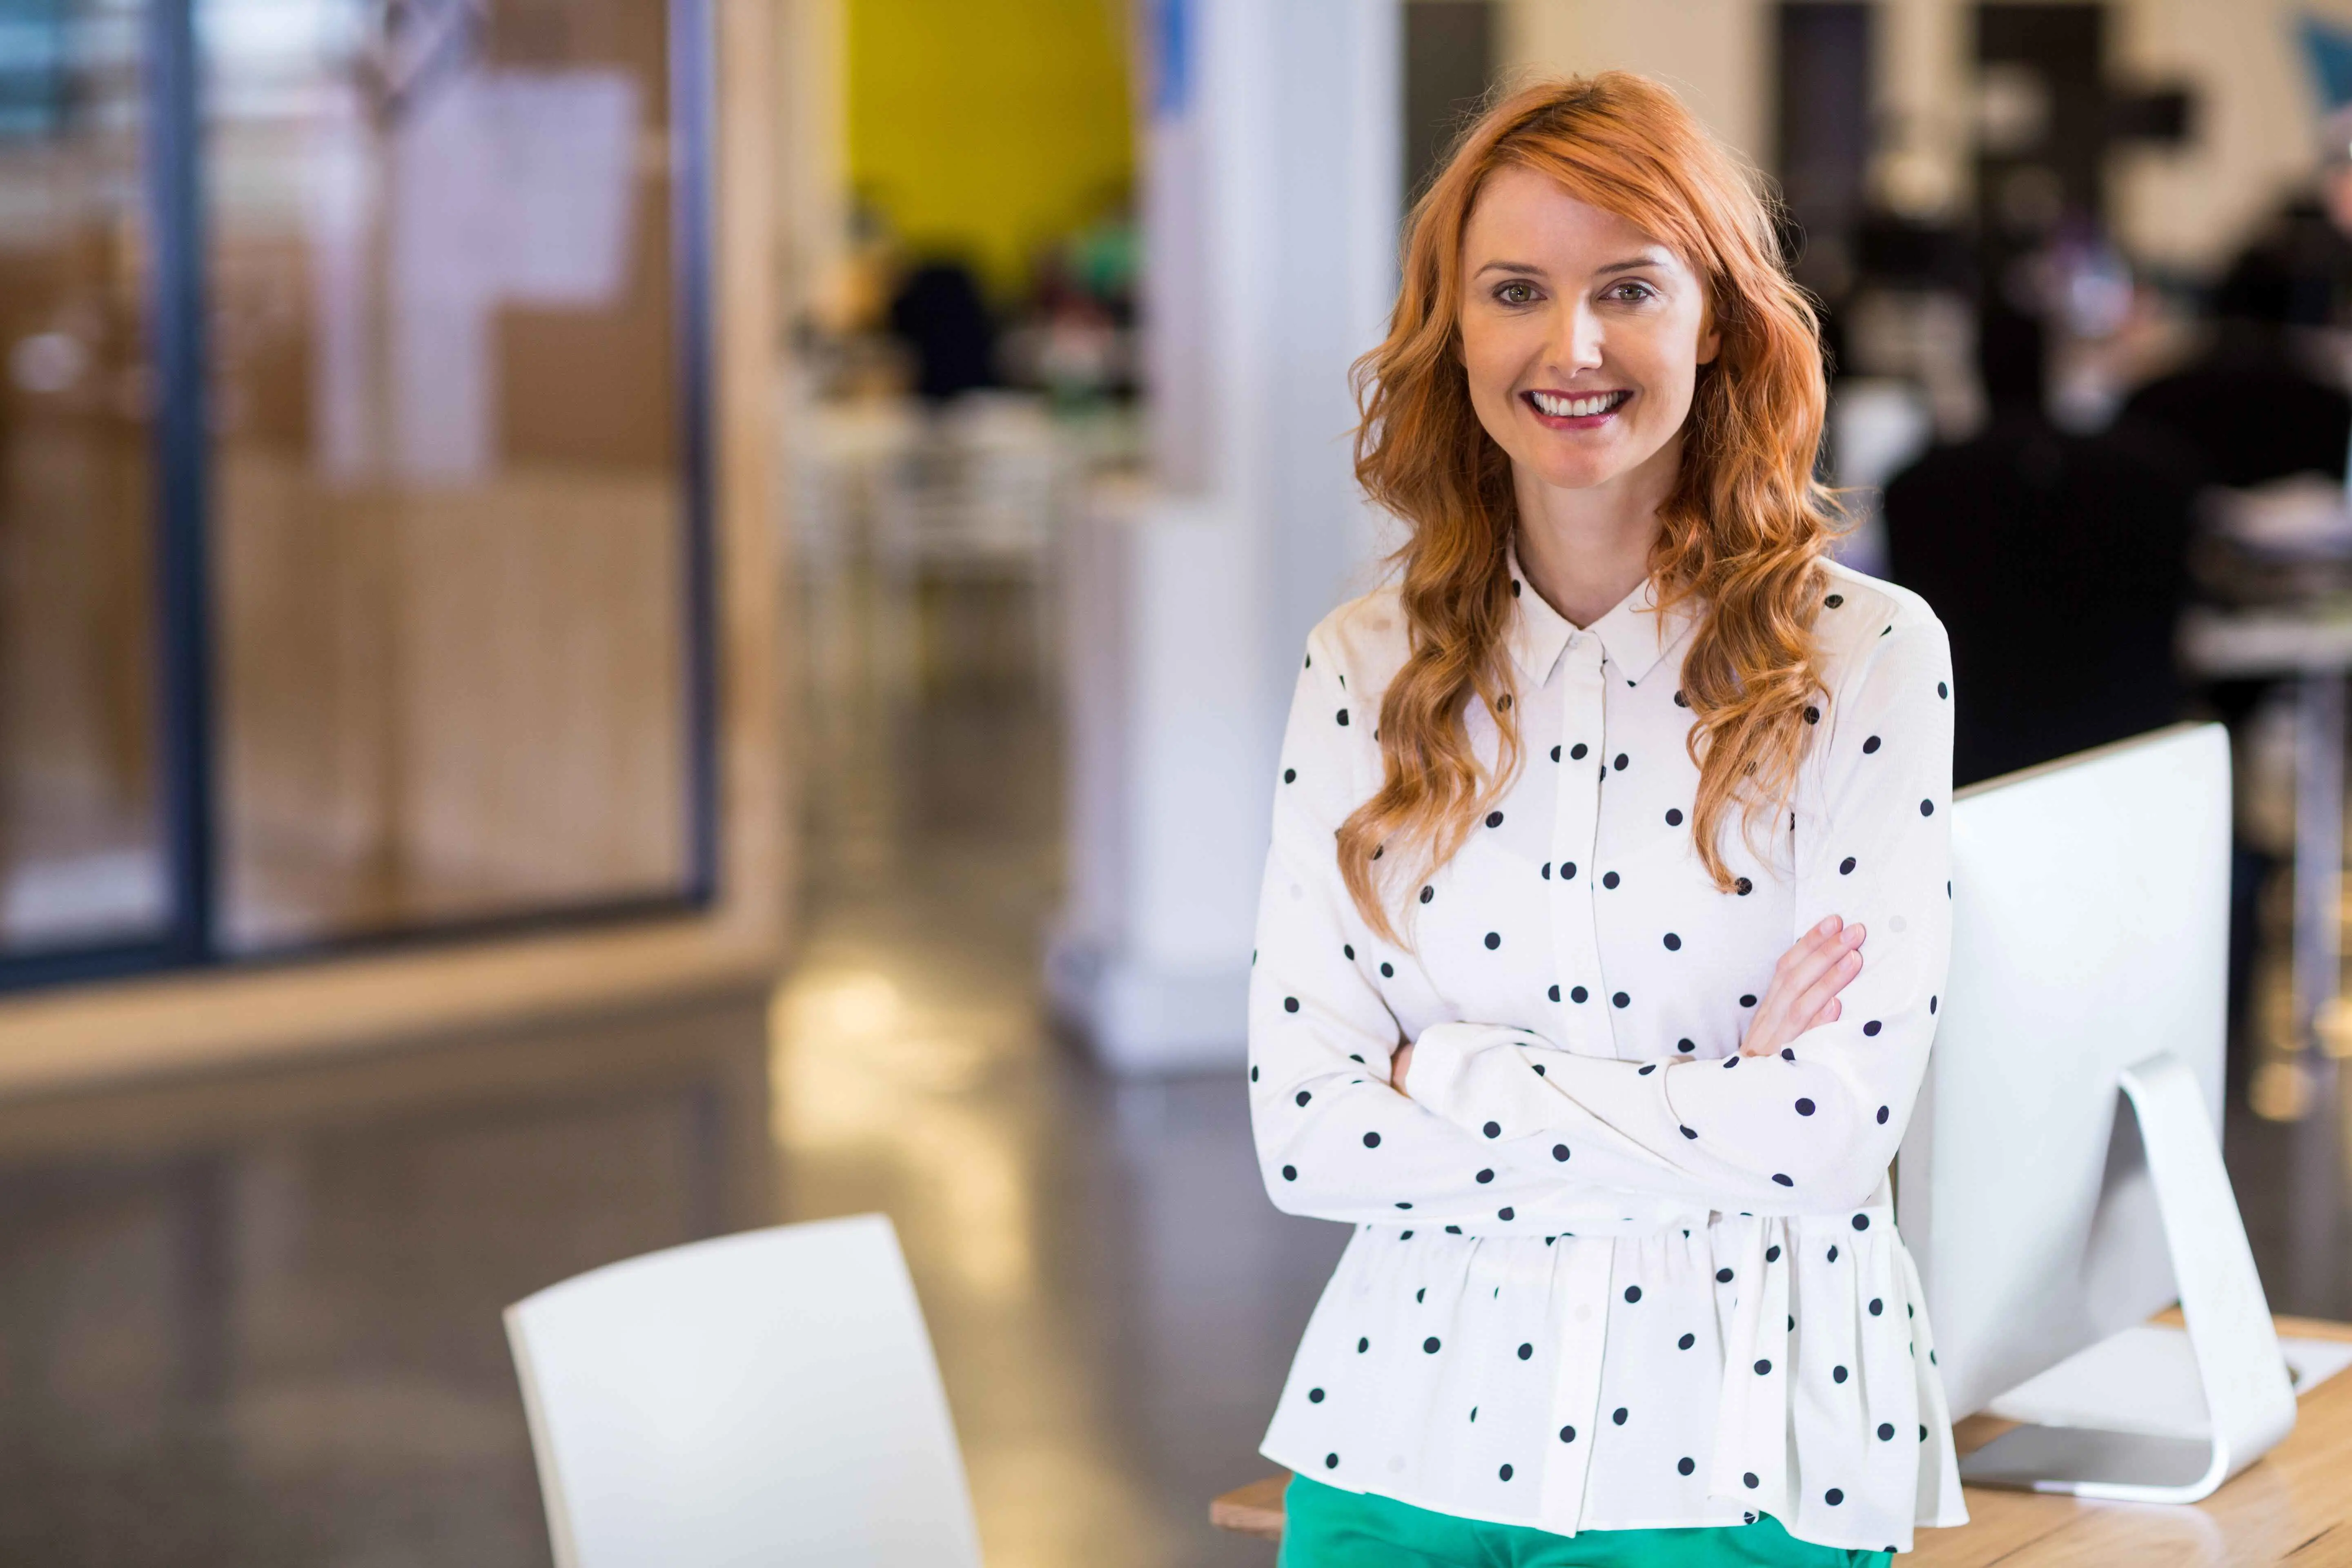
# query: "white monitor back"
2090,930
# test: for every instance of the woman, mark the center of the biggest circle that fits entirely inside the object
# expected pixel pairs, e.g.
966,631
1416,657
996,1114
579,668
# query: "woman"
1607,907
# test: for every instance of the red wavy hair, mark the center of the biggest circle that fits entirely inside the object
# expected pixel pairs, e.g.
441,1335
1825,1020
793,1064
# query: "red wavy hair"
1741,535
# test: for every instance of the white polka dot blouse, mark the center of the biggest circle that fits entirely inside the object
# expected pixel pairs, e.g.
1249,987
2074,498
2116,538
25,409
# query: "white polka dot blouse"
1609,1274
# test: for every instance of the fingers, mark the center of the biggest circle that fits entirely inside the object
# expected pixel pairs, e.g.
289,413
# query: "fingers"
1822,990
1805,984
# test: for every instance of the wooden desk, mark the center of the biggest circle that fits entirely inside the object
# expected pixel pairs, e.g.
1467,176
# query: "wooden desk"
2293,1506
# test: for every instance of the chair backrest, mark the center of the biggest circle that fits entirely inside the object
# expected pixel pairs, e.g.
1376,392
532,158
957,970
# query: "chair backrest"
770,1397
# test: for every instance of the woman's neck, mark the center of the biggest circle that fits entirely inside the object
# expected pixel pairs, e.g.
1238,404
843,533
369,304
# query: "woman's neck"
1585,550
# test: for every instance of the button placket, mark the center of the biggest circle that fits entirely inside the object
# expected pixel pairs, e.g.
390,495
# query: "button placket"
1580,1267
1576,816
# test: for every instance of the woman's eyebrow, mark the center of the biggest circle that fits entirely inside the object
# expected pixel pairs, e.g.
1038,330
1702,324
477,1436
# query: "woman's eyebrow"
1633,263
1527,266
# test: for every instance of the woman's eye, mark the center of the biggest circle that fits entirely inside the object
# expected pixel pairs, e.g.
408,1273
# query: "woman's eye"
1516,293
1632,290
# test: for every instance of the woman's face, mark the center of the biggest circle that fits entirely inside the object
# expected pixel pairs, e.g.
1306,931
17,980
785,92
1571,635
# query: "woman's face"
1581,335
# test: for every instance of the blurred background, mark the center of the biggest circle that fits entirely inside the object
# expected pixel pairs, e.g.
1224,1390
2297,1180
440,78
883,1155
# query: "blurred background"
624,619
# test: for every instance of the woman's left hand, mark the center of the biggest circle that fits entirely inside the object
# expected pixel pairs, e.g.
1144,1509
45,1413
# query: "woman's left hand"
1398,1065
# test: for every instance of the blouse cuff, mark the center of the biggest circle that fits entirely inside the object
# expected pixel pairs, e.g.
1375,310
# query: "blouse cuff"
1438,1078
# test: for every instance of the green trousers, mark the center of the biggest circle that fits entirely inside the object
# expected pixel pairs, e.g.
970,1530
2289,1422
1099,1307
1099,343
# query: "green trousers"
1326,1528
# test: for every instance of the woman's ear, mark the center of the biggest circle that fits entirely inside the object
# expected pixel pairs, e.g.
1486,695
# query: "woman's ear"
1710,340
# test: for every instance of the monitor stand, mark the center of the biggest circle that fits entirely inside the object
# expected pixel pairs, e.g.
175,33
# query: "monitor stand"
2249,1402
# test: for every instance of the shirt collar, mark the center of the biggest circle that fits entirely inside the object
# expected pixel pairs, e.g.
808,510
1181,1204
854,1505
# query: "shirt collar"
1635,635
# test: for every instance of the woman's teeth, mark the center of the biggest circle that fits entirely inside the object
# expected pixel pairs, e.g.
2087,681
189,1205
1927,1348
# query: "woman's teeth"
1577,408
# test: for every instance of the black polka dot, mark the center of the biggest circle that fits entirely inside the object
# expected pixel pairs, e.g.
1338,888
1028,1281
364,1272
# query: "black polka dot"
1834,1497
1546,871
1313,1397
1877,1306
1553,993
1674,943
1749,1001
1674,817
1833,1254
1619,999
1363,1345
1686,1046
1559,1151
1645,1070
1608,880
1515,587
1330,1461
1942,690
1685,1342
1931,1004
1578,994
1343,716
1303,1097
1290,1004
1290,775
1805,1108
1926,808
1618,1415
1871,1027
1763,1368
1505,1472
1494,941
1743,887
1681,701
1349,949
1881,1116
1845,868
1786,1054
1539,1067
1493,1130
1620,763
1484,1176
1290,1172
1632,1292
1812,715
1731,1061
1310,661
1834,600
1388,969
1372,1140
1688,1133
1567,1433
1684,1466
1555,753
1723,1276
1494,819
1507,1215
1837,1374
1576,752
1782,1180
1749,1478
1870,745
1252,1075
1862,1221
1430,1345
1887,1431
1427,894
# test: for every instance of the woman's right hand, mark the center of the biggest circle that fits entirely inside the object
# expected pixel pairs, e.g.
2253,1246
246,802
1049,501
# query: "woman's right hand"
1803,994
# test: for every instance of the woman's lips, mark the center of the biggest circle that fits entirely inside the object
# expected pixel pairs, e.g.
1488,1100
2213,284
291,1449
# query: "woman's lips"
1575,410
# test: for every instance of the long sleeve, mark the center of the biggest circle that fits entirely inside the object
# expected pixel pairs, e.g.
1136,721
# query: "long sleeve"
1814,1127
1334,1139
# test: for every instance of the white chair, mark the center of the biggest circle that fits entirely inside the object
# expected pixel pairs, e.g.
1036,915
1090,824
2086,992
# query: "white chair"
764,1398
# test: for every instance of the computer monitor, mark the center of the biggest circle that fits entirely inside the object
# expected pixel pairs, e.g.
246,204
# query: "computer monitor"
2081,1028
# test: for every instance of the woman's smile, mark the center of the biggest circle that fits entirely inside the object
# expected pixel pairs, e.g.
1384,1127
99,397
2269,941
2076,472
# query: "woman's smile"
1556,410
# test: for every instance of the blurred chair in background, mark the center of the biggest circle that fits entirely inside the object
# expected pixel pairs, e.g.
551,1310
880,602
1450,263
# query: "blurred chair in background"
767,1397
2059,566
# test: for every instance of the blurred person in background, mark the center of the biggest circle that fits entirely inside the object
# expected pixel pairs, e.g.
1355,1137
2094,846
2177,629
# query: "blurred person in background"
2058,562
940,314
1551,808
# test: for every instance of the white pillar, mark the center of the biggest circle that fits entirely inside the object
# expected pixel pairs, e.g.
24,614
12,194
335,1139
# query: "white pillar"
1272,193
